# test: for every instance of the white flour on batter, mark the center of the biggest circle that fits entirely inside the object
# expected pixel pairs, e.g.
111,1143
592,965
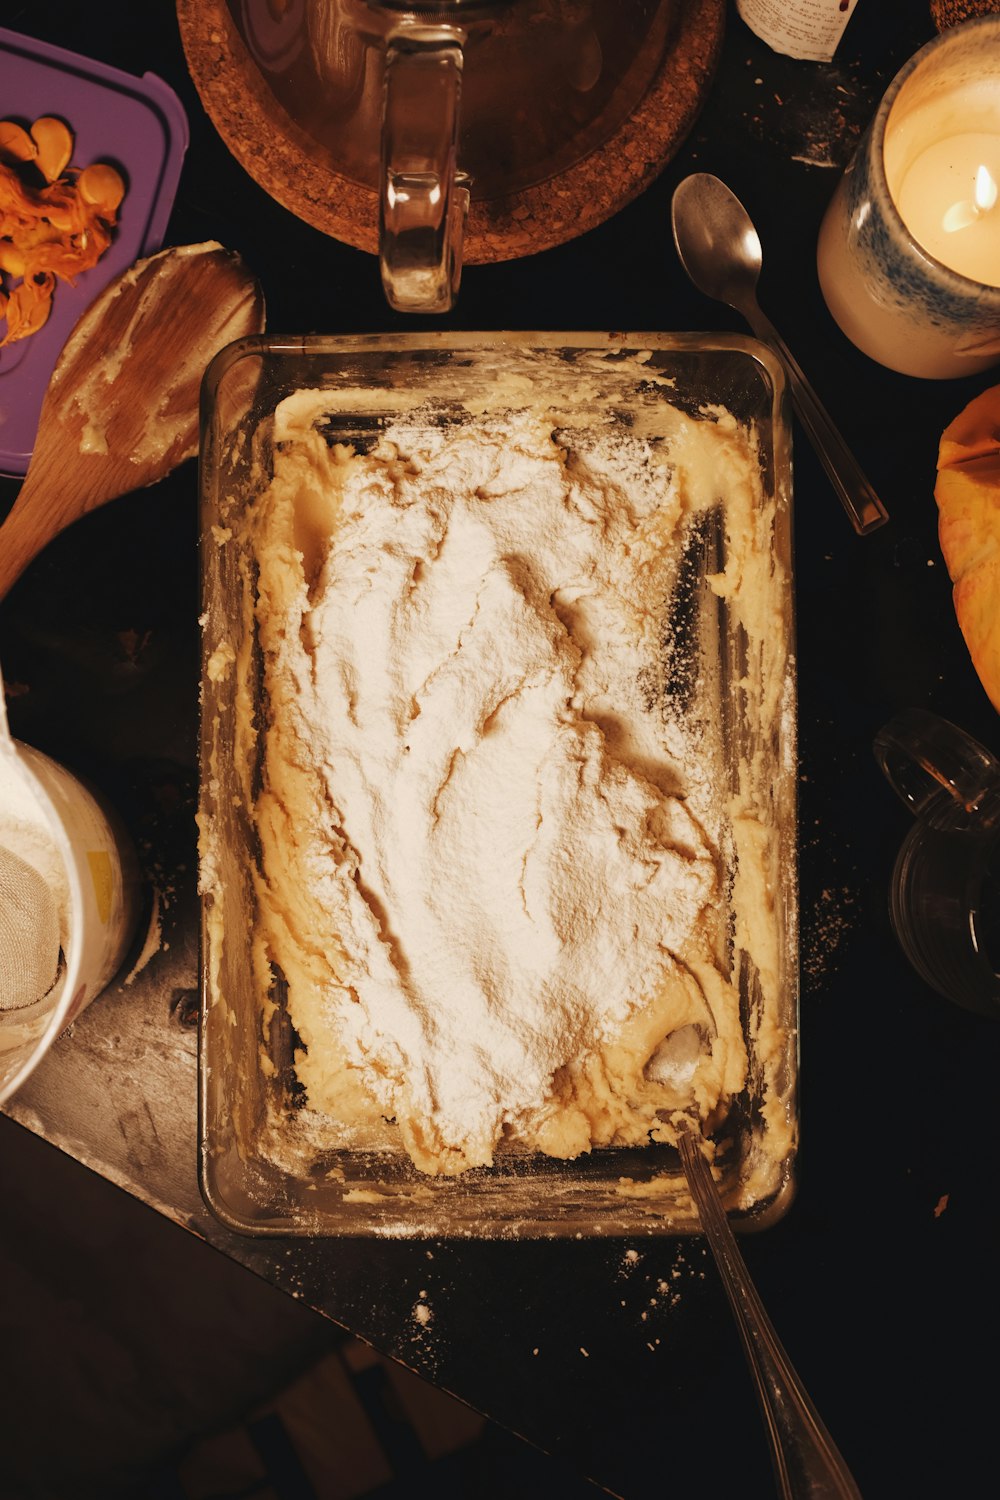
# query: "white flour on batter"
490,873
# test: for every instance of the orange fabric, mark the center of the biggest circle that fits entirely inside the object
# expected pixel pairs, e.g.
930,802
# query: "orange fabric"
968,499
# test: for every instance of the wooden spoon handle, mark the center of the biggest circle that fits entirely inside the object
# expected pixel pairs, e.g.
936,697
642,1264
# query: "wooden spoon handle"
19,543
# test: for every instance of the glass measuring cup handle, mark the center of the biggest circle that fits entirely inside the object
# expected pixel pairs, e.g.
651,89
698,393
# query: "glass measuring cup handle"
944,776
423,199
944,894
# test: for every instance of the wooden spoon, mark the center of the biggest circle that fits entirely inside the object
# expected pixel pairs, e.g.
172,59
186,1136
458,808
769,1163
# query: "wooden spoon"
121,410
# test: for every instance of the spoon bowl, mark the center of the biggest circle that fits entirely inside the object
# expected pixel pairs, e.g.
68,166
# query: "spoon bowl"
720,250
718,245
121,409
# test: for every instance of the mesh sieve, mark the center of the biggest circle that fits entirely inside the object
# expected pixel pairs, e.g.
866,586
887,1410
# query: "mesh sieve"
29,933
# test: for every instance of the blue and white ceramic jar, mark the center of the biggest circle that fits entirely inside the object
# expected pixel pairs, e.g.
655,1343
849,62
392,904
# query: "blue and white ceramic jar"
902,303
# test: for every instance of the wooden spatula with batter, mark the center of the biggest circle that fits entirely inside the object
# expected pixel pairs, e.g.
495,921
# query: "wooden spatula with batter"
121,409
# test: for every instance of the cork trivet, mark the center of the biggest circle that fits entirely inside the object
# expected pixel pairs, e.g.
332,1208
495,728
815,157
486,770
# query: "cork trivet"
945,13
280,156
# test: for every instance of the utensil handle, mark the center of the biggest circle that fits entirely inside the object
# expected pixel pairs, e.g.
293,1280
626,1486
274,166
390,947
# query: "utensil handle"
854,490
21,539
807,1464
423,199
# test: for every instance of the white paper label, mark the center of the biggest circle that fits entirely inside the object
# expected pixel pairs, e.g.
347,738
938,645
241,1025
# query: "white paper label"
808,29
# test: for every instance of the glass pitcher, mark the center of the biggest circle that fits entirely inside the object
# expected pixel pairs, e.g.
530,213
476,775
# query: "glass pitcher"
945,887
430,101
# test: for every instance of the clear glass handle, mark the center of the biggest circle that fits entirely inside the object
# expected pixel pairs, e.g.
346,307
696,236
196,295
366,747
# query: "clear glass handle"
423,200
942,774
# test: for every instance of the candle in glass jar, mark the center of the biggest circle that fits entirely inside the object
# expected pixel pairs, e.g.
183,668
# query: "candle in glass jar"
948,200
909,250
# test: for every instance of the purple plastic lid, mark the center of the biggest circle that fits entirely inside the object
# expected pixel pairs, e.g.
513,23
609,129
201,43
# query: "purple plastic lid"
137,125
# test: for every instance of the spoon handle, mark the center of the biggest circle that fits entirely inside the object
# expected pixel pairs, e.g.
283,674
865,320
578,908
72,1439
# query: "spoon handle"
807,1464
856,495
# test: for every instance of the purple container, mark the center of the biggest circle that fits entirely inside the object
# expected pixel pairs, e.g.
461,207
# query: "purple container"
137,125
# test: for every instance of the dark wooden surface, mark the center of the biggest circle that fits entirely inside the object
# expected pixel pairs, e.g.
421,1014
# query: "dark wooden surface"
619,1355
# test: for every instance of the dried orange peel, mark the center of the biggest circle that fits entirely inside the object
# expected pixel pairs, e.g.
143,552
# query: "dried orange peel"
55,220
968,499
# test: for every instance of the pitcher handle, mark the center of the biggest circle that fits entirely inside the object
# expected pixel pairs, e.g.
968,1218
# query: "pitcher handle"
939,771
423,200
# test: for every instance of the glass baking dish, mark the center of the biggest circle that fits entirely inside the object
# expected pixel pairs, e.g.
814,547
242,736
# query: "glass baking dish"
263,1170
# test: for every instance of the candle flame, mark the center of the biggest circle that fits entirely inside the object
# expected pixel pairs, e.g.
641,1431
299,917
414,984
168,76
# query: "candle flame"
986,190
961,215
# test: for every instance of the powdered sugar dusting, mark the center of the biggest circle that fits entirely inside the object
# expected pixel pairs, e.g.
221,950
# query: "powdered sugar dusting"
505,834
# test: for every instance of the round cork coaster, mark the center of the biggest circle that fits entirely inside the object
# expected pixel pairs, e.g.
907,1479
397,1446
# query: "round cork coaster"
280,156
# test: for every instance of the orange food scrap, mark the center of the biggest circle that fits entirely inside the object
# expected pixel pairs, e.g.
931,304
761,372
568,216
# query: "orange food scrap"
55,221
15,143
55,146
101,186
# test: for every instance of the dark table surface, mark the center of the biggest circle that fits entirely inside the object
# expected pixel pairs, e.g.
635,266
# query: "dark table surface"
619,1355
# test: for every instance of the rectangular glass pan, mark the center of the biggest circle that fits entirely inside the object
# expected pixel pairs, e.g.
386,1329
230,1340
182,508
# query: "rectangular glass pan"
261,1171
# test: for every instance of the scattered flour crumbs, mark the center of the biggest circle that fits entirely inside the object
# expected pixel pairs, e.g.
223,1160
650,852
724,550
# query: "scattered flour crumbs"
652,1293
492,846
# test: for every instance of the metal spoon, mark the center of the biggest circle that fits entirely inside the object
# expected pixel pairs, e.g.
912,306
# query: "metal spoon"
720,251
807,1463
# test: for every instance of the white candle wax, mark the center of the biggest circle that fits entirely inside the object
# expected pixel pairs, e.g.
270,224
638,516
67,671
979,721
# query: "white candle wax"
948,200
909,249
